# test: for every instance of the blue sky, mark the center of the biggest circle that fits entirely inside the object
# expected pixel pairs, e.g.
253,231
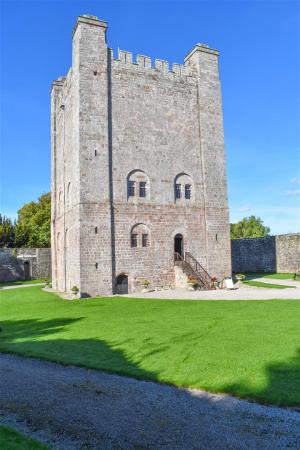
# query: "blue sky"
259,43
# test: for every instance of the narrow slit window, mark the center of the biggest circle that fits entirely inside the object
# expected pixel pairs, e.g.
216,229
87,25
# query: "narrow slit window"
142,188
134,240
131,188
145,240
177,191
187,191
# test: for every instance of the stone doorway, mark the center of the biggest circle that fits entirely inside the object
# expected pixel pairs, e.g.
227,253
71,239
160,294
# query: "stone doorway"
122,284
178,244
27,270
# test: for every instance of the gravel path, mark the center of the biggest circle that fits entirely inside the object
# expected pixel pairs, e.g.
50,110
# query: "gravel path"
295,283
75,408
243,293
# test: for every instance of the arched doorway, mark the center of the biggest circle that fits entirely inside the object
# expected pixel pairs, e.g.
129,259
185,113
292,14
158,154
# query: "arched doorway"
178,244
122,284
27,270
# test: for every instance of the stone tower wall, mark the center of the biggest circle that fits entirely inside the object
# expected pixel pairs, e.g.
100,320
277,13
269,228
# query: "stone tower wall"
65,224
123,117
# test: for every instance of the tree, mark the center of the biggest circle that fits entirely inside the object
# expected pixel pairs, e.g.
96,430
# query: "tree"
33,224
249,227
7,232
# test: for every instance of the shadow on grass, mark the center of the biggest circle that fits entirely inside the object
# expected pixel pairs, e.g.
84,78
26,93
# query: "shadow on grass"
282,387
32,338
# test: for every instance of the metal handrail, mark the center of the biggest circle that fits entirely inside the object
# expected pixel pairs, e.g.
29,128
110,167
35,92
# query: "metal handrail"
206,280
178,257
202,281
188,254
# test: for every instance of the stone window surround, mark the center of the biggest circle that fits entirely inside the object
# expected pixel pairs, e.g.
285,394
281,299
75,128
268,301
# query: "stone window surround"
184,191
137,236
138,183
183,187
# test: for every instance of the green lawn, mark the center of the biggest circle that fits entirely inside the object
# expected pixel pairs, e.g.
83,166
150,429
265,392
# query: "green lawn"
12,440
247,348
273,275
20,282
266,285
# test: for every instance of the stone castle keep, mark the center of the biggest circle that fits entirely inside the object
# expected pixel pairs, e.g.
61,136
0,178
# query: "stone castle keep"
138,168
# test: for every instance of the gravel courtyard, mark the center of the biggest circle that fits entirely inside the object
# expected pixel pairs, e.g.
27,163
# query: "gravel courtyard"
73,408
244,292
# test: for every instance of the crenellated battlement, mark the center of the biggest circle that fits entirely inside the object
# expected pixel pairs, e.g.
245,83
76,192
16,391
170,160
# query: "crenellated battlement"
125,58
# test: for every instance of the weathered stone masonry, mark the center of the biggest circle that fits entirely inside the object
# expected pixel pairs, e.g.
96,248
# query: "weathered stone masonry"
279,253
119,125
24,263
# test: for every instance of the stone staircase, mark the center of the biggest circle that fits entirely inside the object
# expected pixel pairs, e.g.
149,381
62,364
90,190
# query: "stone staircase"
191,267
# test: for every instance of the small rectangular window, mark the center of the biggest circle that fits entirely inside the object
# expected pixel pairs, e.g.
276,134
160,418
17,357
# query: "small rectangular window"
187,191
145,240
131,185
177,191
142,188
134,240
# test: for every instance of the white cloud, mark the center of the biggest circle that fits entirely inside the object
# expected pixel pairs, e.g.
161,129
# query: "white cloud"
295,180
244,208
292,193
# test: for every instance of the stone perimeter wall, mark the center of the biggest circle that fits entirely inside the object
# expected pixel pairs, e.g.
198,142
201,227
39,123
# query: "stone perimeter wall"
269,254
12,263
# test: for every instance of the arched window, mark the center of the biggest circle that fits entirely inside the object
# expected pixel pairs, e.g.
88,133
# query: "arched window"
138,186
68,194
183,188
140,236
58,242
59,202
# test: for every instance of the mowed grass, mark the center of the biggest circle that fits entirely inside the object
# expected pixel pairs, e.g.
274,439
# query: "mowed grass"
273,275
20,282
12,440
250,349
267,285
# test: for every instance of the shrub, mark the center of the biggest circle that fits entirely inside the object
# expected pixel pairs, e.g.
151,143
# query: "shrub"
193,281
240,276
75,290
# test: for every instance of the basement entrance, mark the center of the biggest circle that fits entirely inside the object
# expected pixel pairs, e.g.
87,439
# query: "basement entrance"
178,244
122,284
